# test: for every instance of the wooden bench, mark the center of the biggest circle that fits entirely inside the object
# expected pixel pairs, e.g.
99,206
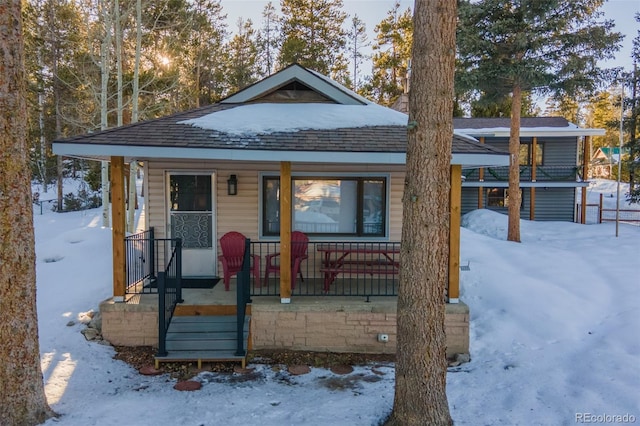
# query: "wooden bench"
355,267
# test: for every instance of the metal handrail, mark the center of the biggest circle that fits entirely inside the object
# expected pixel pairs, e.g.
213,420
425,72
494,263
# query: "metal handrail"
243,297
169,294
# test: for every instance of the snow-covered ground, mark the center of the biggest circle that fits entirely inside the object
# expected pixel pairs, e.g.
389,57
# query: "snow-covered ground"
555,329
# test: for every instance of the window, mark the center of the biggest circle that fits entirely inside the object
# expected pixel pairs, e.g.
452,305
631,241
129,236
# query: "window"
526,152
353,206
499,198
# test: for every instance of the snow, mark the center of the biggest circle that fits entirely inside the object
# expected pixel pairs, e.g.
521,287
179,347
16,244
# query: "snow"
254,119
554,333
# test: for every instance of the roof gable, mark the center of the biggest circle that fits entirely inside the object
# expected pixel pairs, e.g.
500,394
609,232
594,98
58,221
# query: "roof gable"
307,79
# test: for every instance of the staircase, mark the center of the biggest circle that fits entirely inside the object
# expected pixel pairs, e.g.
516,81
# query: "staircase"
204,338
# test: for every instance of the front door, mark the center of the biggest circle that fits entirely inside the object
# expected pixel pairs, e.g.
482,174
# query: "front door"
191,219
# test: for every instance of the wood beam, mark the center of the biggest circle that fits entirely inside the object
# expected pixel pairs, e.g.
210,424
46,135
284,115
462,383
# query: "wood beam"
481,179
455,207
118,226
285,232
585,175
534,167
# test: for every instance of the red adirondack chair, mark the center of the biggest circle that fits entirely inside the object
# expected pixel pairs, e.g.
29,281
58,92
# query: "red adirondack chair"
299,245
232,244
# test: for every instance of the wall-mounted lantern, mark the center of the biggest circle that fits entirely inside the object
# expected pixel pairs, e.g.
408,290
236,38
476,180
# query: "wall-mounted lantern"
232,185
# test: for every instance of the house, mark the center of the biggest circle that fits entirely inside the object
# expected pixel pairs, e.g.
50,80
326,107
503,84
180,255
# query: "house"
293,152
604,159
554,166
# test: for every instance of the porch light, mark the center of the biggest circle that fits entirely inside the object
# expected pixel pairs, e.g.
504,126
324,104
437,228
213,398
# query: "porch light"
232,185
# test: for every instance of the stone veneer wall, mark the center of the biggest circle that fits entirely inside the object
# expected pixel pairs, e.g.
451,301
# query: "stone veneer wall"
126,324
351,328
302,325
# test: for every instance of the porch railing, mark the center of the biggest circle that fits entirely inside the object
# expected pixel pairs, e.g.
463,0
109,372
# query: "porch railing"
543,173
362,269
169,294
140,253
242,298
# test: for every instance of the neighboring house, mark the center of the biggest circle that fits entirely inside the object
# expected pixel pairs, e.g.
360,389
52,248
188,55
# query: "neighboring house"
603,160
552,166
295,151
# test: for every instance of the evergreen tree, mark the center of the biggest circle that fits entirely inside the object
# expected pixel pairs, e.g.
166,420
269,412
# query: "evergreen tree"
421,367
357,40
509,47
632,124
268,39
312,35
391,56
22,391
242,59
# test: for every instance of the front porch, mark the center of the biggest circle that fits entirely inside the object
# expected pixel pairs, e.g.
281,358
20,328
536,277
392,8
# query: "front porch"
312,323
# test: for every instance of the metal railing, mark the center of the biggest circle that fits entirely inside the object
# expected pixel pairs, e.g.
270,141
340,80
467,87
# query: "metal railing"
543,173
169,294
242,298
362,269
140,256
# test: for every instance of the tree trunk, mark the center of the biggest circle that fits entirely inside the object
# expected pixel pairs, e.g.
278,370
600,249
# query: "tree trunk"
22,390
421,367
104,119
515,198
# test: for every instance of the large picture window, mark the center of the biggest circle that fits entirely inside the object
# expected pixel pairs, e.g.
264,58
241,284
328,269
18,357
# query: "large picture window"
328,205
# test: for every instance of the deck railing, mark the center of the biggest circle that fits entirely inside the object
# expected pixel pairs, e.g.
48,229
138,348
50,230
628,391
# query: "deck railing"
169,294
359,269
140,255
242,298
543,173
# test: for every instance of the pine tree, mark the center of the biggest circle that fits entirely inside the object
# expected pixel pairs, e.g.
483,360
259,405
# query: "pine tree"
632,159
22,390
268,39
507,48
242,60
391,56
357,40
312,35
421,365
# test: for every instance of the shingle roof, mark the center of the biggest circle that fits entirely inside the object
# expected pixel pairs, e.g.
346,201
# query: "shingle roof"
488,123
166,132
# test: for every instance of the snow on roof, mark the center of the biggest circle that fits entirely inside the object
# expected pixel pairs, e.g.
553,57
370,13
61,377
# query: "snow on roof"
267,118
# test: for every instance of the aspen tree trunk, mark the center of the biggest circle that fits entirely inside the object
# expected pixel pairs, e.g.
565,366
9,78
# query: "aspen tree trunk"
104,123
22,397
133,166
513,233
421,366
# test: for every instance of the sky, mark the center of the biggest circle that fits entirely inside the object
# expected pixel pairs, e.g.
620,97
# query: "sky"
554,337
373,11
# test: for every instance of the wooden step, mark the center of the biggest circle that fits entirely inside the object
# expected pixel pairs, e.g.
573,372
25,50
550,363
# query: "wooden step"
203,338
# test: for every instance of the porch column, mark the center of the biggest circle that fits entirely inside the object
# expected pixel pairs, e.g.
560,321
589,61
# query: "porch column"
585,175
481,179
532,190
455,204
285,232
118,228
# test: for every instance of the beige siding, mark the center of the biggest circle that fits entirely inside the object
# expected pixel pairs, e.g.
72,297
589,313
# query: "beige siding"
241,212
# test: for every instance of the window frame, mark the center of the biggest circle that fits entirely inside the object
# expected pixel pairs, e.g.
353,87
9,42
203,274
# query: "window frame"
360,178
539,153
504,198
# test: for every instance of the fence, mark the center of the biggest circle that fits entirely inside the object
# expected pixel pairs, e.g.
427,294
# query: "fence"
597,213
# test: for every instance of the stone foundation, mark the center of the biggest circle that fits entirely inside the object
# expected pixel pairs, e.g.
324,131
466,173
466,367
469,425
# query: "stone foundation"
347,327
319,325
130,324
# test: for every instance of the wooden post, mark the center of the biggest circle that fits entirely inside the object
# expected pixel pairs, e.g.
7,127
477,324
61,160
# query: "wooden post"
585,176
285,232
455,206
534,176
118,228
481,179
